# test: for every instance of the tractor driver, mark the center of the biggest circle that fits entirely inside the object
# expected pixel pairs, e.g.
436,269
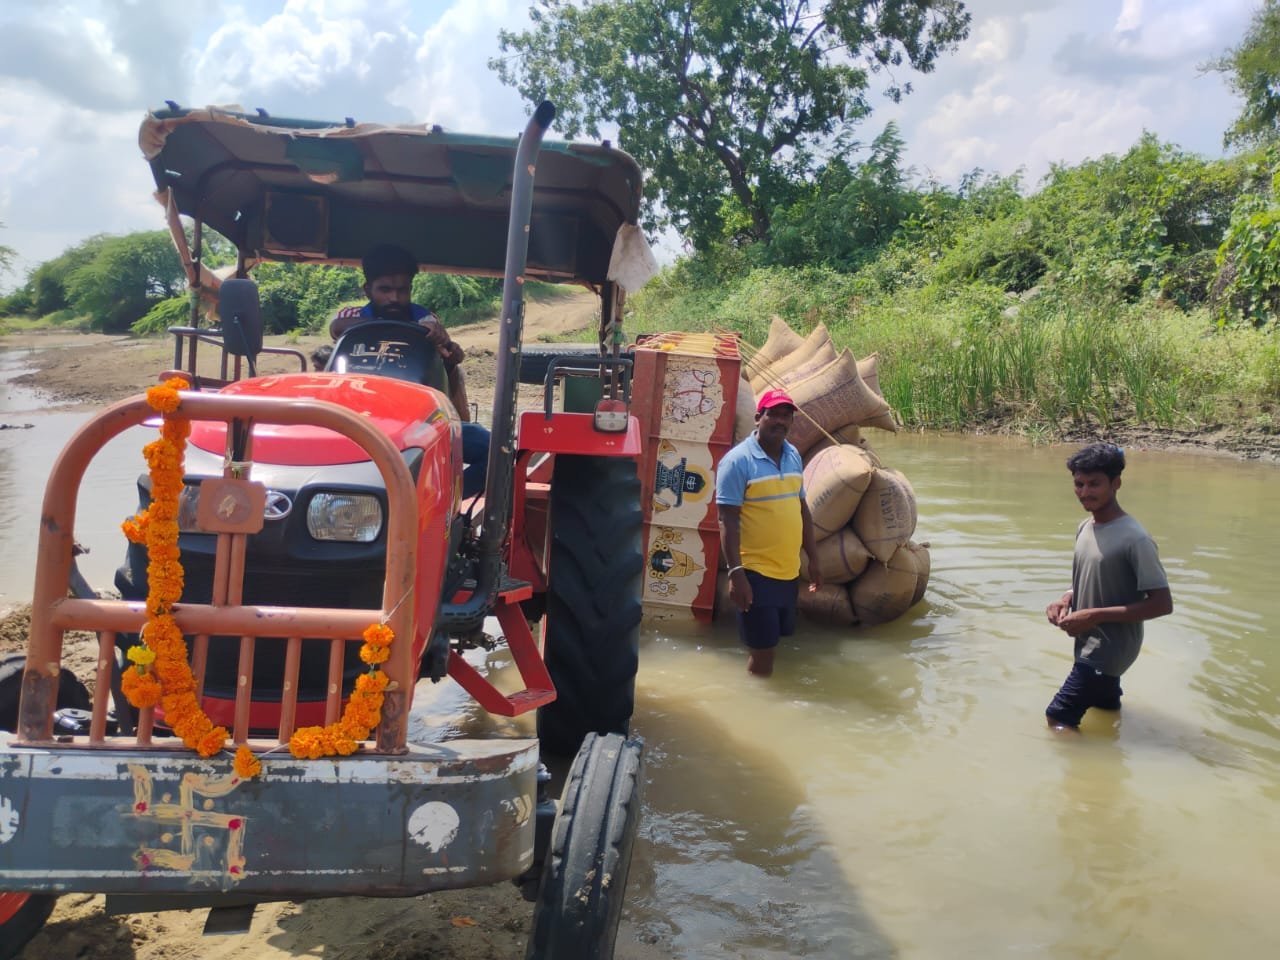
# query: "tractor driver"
388,280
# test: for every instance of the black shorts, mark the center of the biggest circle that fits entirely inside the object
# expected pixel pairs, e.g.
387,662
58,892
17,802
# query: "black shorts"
772,614
1084,687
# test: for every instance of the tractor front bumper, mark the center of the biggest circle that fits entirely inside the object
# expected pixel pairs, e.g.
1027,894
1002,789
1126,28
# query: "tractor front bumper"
165,822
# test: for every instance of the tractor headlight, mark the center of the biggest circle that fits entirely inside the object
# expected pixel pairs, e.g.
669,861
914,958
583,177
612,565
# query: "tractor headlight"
350,517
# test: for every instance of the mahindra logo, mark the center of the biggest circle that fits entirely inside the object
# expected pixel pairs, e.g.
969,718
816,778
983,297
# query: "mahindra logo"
277,507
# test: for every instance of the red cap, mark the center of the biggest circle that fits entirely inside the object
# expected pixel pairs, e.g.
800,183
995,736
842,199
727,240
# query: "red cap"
773,398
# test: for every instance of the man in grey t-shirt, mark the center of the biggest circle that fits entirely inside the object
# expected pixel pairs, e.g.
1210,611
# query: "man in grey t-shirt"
1117,583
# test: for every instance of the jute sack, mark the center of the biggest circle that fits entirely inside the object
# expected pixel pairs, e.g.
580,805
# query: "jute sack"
851,434
816,344
781,341
833,397
834,482
841,557
869,371
791,375
884,591
744,414
829,604
817,448
886,514
923,566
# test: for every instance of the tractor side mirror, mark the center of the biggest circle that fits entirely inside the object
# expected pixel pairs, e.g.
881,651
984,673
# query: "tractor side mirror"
241,317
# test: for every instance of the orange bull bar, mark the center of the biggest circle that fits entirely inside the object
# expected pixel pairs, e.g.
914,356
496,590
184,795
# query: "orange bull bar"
53,612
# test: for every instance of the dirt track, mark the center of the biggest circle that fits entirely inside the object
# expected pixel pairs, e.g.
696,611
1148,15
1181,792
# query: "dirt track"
92,369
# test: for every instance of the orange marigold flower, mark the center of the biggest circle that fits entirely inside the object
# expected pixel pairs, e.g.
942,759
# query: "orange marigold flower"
246,764
353,729
375,681
164,397
379,635
212,742
142,689
371,654
135,528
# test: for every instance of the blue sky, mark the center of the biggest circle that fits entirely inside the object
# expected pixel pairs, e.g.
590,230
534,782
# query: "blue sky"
1037,82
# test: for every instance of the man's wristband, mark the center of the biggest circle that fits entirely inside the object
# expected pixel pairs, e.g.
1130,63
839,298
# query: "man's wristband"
733,570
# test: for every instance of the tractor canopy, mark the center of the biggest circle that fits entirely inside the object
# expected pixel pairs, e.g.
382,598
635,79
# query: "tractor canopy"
327,192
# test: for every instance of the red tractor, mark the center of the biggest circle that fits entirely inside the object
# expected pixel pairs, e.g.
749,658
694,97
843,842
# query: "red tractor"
315,504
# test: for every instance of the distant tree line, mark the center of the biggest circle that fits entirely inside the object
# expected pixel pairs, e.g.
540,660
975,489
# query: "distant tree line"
135,282
744,115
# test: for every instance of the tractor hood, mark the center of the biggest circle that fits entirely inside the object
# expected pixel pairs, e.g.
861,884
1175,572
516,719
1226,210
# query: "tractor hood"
403,411
327,192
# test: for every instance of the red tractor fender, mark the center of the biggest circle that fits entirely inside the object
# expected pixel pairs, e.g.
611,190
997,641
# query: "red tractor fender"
562,433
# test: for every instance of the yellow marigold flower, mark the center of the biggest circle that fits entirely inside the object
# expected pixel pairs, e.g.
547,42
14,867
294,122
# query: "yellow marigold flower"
141,655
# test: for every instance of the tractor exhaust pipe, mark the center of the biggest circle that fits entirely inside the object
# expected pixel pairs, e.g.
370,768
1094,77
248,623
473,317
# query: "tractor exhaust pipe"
499,479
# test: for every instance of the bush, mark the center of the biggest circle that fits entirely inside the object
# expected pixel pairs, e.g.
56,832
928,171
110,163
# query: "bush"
173,312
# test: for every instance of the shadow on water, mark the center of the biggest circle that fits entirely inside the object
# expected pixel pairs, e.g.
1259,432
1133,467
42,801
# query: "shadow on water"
731,861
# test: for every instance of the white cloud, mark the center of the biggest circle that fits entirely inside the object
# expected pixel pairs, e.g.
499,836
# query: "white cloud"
1078,123
324,59
1130,17
996,41
452,84
1038,82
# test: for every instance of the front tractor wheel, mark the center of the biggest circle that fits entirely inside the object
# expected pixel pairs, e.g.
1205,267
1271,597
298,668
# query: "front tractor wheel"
591,632
584,878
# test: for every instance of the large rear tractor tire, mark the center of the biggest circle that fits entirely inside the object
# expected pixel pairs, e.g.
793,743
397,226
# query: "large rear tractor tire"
584,878
591,632
535,358
23,914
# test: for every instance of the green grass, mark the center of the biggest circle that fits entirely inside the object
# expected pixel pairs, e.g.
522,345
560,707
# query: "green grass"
61,321
974,356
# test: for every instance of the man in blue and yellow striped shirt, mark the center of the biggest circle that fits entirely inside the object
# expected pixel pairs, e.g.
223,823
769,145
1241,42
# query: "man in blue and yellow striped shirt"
764,523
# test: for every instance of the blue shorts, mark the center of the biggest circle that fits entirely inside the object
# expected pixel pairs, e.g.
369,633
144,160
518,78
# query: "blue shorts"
475,456
772,614
1084,687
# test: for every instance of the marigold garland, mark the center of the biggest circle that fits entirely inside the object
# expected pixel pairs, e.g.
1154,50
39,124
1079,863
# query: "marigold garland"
363,711
161,675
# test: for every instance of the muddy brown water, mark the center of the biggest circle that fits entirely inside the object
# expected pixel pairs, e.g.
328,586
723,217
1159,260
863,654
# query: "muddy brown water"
894,792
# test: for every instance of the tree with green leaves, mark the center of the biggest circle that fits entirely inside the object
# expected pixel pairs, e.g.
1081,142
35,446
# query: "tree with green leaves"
1253,72
1247,284
724,98
6,257
124,278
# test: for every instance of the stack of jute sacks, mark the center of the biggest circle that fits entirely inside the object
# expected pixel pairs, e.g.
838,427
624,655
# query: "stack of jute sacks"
864,513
